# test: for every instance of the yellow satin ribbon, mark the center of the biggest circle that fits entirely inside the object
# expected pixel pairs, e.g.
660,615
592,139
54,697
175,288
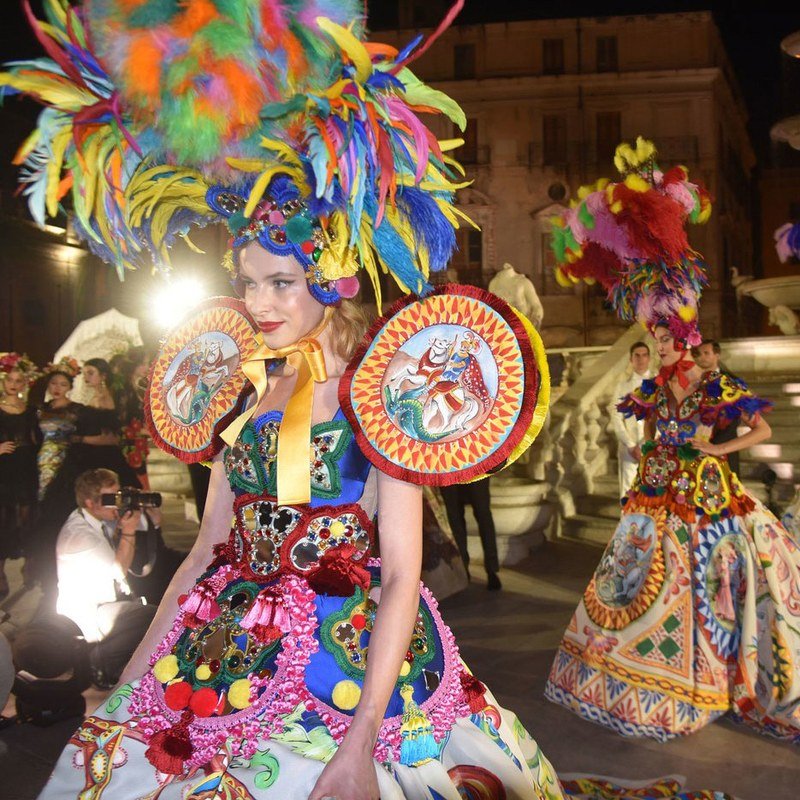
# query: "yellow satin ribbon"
294,443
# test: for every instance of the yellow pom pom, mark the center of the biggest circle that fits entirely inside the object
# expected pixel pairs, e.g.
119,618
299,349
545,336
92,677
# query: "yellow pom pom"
602,183
346,695
615,208
405,669
637,183
166,668
239,693
687,313
203,672
337,528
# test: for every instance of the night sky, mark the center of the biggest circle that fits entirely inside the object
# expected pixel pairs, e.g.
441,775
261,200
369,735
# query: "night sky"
752,39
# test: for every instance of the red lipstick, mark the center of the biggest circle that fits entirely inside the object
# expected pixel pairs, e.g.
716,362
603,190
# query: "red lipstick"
268,327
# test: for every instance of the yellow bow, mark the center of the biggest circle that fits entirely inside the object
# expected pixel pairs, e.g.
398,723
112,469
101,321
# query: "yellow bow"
307,359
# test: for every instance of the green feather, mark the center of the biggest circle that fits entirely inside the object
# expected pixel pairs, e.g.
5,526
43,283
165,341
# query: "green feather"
419,94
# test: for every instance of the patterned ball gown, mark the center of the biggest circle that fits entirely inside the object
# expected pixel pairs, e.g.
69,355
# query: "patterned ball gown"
694,609
257,681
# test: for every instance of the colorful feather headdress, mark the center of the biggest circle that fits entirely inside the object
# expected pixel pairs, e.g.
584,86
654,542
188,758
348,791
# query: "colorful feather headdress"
275,116
630,237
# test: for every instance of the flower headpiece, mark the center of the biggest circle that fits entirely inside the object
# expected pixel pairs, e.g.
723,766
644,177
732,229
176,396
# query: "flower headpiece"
787,241
66,364
22,363
630,237
275,116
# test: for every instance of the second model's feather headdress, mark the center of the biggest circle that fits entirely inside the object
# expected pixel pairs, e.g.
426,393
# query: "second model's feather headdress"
630,236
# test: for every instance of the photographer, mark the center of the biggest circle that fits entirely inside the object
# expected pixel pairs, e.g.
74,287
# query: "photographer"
95,549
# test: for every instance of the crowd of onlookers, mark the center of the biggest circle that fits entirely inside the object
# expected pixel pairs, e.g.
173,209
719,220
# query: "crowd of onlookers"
61,465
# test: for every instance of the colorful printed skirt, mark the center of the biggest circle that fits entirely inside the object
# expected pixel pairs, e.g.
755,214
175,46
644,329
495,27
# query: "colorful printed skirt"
683,622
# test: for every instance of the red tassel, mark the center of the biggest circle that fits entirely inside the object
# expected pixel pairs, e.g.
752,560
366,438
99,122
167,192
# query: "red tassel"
170,748
336,574
474,692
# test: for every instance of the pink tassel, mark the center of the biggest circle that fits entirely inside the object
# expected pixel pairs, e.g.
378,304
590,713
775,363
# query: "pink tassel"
200,606
267,619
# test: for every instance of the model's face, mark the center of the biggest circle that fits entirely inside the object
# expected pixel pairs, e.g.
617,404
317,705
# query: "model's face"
706,358
14,383
92,376
58,386
640,360
665,347
276,295
140,371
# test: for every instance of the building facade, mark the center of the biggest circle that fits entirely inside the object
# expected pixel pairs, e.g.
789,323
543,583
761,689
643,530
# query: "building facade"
547,102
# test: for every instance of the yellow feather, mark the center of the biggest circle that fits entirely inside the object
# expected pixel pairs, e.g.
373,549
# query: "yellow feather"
260,186
58,93
354,49
27,147
60,143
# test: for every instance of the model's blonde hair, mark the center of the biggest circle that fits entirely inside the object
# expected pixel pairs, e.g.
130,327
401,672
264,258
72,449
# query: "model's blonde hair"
348,324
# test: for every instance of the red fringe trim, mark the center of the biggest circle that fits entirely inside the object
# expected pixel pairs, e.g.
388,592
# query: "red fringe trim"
496,460
474,692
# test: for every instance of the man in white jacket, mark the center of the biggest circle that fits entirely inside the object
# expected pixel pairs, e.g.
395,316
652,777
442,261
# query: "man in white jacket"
628,430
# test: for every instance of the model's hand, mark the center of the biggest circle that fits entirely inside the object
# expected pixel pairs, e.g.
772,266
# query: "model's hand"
347,777
635,452
706,447
6,448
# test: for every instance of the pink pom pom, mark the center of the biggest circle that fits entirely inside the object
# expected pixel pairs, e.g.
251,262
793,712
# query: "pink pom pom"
347,287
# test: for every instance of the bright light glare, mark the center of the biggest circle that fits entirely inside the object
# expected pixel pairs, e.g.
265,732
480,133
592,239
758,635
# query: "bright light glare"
791,388
175,299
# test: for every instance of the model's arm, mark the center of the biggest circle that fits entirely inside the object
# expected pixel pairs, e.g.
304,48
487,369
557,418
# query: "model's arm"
759,432
351,772
214,528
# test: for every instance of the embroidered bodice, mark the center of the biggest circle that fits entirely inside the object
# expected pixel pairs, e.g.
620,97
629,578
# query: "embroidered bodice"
718,401
671,470
267,539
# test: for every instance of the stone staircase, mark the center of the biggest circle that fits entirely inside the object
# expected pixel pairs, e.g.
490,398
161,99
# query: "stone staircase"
597,514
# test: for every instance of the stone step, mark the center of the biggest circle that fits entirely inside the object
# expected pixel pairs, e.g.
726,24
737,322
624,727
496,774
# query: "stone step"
586,528
599,505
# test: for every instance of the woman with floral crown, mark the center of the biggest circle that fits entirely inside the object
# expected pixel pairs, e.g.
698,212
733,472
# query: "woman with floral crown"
18,443
285,661
694,609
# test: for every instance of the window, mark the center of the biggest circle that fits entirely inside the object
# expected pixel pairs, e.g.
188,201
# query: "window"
468,258
554,139
609,134
553,56
468,152
607,54
464,61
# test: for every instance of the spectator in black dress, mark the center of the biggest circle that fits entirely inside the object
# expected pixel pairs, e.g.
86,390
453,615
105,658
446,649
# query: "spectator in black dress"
18,474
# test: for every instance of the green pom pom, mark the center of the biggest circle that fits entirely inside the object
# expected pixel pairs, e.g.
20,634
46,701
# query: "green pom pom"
687,452
299,229
237,221
647,447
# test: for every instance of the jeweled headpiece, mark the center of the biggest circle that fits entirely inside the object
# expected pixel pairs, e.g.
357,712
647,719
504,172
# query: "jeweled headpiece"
276,116
630,236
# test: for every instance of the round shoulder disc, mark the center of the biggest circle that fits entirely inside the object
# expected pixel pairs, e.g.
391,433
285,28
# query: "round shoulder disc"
447,388
196,378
